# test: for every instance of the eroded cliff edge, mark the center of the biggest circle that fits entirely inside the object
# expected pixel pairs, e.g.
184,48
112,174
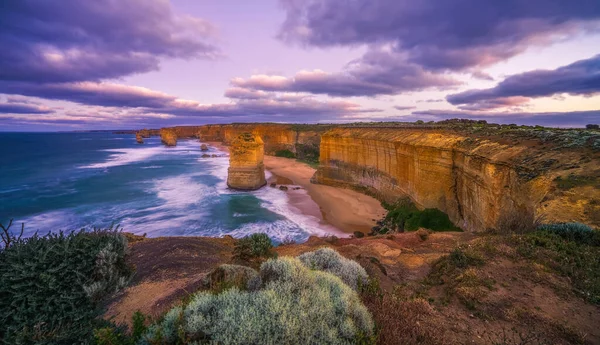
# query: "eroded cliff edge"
480,182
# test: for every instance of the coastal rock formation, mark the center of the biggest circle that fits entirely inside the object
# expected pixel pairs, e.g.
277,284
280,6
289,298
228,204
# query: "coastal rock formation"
168,137
144,133
203,147
480,183
246,170
301,140
138,138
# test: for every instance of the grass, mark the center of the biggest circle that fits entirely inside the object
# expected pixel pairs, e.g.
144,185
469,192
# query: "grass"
285,154
573,181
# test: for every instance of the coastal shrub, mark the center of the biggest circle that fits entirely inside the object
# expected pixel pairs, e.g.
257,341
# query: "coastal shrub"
50,285
576,232
253,246
285,153
227,276
328,260
405,216
295,305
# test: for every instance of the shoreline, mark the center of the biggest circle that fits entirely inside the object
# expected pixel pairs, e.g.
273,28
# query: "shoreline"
345,209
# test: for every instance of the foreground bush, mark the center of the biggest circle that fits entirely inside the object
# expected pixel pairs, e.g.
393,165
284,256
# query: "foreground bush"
294,305
253,246
328,260
49,285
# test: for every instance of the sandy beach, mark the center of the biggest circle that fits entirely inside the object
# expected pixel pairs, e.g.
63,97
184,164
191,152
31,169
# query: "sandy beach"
345,209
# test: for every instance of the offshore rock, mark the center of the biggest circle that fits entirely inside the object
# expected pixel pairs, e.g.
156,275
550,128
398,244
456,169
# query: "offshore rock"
246,169
139,138
168,137
203,147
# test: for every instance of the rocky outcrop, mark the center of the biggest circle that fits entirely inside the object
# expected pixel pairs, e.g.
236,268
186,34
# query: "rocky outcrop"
475,183
203,147
246,169
168,137
302,140
138,138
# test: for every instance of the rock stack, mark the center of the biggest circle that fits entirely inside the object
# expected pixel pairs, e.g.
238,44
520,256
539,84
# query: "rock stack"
203,147
138,138
168,136
246,169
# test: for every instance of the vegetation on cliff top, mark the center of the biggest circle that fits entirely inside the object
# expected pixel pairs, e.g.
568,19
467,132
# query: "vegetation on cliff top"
51,285
291,304
404,215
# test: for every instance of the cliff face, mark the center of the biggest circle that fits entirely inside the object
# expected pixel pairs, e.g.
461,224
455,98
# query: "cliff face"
138,138
479,183
302,140
168,136
246,169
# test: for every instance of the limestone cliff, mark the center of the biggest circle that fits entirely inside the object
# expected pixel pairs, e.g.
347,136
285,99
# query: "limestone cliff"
302,140
246,169
168,136
479,182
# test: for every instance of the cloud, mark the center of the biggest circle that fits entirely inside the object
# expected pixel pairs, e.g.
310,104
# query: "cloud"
438,34
400,107
558,119
579,78
378,72
93,40
23,108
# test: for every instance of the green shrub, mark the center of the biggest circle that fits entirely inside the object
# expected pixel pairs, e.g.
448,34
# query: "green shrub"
328,260
253,246
285,153
227,276
405,216
576,232
295,305
50,285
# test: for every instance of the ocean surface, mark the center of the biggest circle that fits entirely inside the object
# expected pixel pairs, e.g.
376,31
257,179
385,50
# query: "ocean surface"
68,181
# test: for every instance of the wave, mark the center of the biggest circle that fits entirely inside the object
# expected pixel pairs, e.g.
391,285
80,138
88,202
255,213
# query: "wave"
126,156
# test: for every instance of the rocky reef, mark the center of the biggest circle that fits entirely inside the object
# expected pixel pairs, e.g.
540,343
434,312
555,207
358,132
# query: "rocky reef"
246,169
168,137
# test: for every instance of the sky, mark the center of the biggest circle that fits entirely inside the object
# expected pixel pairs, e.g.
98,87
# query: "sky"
128,64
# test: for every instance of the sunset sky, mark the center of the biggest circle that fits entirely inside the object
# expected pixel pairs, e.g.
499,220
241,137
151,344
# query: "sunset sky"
108,64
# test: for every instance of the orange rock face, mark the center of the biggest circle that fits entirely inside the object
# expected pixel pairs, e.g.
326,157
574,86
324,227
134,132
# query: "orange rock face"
476,187
168,137
246,169
139,138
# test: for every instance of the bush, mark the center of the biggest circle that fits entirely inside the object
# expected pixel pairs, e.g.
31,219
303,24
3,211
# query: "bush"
576,232
253,246
405,216
328,260
285,153
228,276
294,306
50,285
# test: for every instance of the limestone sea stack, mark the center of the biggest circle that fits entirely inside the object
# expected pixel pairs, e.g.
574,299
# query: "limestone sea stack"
144,133
168,136
246,169
138,138
203,147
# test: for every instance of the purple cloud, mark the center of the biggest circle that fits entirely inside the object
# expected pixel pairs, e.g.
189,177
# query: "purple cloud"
579,78
378,72
438,34
400,107
23,108
93,40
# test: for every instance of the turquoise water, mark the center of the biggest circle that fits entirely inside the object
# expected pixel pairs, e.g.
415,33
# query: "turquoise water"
66,181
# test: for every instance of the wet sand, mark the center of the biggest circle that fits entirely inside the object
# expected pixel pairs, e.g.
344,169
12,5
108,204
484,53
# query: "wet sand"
345,209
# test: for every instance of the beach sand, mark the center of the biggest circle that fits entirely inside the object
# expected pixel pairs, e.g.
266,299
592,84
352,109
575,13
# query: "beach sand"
345,209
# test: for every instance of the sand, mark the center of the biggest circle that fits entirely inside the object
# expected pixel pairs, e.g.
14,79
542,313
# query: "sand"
344,209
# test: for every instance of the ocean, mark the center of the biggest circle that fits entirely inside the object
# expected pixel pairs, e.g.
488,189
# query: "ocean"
69,181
